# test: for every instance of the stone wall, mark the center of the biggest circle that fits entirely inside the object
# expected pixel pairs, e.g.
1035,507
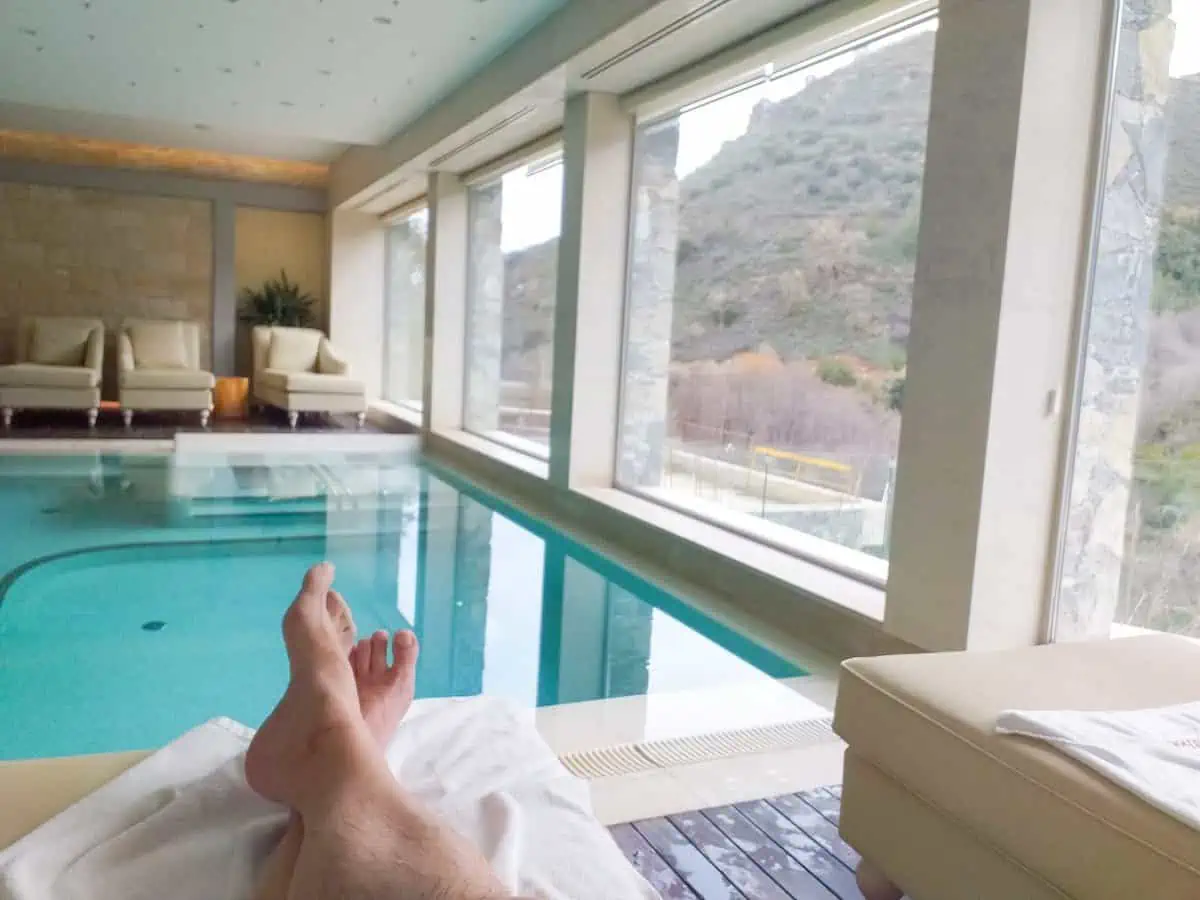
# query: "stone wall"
485,309
644,413
68,251
1120,315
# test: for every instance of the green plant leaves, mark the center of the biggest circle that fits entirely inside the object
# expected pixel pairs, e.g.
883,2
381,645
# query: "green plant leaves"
278,302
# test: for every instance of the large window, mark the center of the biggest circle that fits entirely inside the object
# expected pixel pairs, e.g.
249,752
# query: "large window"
773,244
1132,524
404,310
513,263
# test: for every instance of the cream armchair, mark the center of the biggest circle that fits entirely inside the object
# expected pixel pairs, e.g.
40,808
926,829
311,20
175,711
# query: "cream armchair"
58,366
298,370
158,364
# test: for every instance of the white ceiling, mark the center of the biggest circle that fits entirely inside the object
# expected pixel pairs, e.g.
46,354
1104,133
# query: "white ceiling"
296,79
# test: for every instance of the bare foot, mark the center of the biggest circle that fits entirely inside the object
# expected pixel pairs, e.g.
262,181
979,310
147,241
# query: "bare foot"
321,698
385,692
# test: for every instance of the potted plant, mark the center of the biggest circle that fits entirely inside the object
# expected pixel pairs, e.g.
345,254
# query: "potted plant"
278,302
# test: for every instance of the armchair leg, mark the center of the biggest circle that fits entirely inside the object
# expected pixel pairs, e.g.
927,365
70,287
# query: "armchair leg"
875,885
127,416
293,418
361,419
6,414
93,414
204,414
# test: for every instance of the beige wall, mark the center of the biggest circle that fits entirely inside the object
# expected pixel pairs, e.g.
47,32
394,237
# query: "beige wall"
268,240
81,251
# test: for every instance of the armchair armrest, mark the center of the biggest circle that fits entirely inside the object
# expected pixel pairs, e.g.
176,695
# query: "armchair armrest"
94,359
124,353
329,361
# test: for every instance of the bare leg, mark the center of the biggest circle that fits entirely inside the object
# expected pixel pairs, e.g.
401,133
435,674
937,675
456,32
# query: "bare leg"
364,837
293,418
875,885
127,416
92,415
385,692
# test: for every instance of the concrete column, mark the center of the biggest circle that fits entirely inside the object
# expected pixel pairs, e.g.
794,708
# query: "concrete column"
225,301
1007,194
445,304
357,262
655,240
589,307
405,314
1098,532
485,309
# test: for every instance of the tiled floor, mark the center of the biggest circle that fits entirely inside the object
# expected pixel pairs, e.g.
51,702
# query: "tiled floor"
786,848
73,425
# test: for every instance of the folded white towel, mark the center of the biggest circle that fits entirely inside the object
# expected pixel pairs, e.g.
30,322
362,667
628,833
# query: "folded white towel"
183,823
1155,753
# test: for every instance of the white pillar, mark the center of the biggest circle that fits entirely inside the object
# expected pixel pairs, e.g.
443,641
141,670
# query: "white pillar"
445,304
1009,171
589,306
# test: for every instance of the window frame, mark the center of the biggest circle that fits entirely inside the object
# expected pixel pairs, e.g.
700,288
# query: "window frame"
390,221
650,110
537,156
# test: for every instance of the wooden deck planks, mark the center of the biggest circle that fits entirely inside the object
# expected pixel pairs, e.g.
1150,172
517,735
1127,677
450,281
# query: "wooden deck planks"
701,875
786,848
650,865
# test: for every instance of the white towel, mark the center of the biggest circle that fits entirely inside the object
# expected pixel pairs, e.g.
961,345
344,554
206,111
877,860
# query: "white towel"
183,823
1155,753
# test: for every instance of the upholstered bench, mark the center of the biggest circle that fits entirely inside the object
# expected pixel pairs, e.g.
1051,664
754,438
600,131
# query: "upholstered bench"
946,809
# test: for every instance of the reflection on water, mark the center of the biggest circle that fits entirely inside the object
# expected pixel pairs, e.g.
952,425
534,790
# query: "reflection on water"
165,579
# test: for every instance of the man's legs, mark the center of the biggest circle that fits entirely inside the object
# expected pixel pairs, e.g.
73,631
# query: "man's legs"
385,692
363,836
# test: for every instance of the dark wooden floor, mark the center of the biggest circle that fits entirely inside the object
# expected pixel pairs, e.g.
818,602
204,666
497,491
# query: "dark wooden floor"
56,424
786,848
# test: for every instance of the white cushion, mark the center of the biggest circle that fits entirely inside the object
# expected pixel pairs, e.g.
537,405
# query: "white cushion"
929,721
59,342
329,363
294,349
310,382
158,345
167,379
38,375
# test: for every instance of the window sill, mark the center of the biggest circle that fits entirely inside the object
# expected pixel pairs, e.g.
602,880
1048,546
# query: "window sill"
814,580
824,554
406,414
486,447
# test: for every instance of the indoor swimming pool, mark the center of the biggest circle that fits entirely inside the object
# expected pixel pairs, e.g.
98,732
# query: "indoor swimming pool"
140,595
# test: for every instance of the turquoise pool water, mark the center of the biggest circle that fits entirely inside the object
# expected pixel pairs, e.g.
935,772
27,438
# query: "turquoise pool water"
140,595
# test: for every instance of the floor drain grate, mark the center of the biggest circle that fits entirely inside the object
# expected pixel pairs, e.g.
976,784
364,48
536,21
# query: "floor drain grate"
626,759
